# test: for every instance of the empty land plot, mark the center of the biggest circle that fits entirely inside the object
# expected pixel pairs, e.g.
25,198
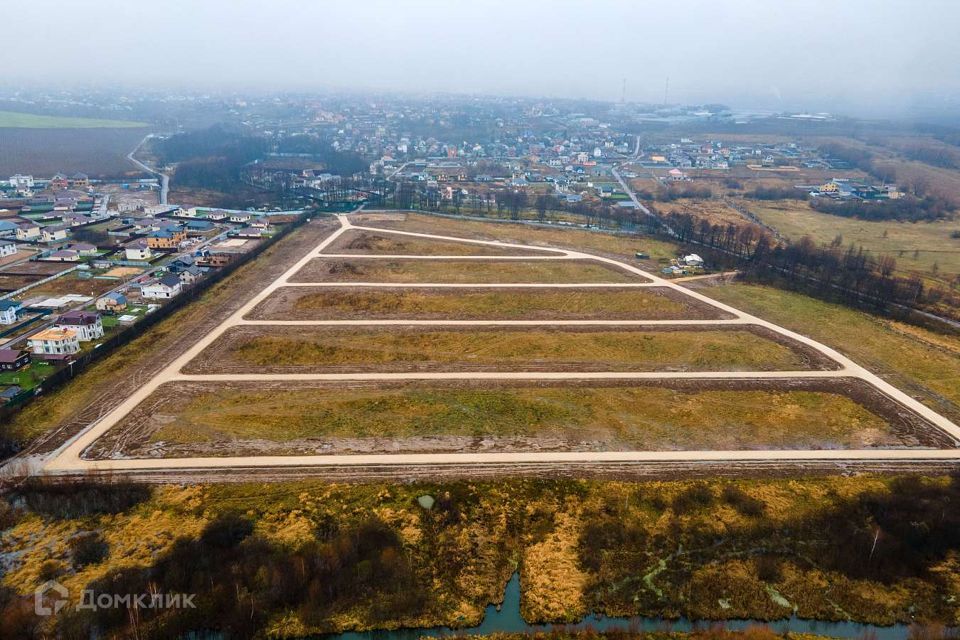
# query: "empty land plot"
622,246
343,303
342,349
198,418
359,242
463,271
71,283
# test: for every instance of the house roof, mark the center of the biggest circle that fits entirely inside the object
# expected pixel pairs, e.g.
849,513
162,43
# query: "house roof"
9,304
170,280
9,356
55,334
77,318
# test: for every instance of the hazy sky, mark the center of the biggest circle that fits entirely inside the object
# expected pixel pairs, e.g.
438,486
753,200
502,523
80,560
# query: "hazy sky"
812,54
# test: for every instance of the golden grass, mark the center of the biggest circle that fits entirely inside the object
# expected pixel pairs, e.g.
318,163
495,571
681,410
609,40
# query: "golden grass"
606,304
917,246
621,246
463,271
362,242
614,350
464,553
643,417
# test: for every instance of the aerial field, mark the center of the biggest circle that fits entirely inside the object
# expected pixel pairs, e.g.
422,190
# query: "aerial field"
909,242
924,362
331,349
372,243
97,152
184,419
320,303
621,246
463,271
19,120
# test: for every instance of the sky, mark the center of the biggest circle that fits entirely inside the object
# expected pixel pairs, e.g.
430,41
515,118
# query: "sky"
864,57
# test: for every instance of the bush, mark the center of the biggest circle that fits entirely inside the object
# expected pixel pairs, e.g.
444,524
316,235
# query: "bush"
693,499
88,548
744,503
227,531
77,499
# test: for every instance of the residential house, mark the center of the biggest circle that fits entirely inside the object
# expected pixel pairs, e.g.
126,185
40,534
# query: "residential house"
21,183
13,359
241,218
169,286
54,342
125,206
54,233
138,250
88,326
7,228
28,232
79,181
9,310
59,182
215,260
166,239
198,226
7,248
64,255
84,249
247,232
112,303
189,275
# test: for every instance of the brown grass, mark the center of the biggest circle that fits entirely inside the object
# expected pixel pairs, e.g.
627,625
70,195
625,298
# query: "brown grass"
292,349
316,303
463,271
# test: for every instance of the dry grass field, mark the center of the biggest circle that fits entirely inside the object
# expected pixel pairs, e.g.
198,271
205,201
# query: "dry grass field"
925,363
917,246
372,243
318,303
462,271
331,349
623,247
286,418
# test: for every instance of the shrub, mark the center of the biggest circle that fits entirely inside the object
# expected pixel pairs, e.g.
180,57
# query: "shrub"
694,498
88,548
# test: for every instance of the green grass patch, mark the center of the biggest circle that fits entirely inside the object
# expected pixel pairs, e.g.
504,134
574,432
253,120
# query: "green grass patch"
19,120
925,363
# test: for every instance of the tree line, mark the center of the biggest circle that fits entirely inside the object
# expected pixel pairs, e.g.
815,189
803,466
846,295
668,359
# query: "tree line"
845,274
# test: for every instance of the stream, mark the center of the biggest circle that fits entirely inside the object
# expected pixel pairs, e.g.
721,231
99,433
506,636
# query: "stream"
507,619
